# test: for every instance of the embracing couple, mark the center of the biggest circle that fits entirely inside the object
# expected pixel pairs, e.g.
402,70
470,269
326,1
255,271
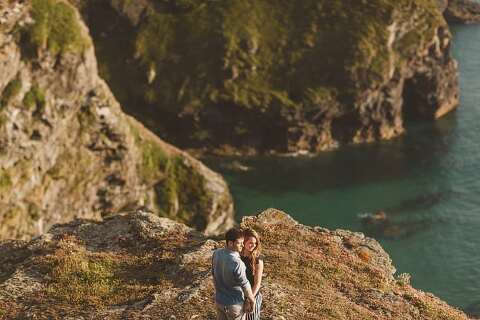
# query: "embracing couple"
237,274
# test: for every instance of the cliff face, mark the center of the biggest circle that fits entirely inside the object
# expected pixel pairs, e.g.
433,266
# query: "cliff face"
276,75
138,265
66,148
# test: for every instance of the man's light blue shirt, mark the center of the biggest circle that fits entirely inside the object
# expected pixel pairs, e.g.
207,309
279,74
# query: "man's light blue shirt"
229,277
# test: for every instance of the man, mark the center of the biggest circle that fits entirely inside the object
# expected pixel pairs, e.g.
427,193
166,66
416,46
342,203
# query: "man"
229,277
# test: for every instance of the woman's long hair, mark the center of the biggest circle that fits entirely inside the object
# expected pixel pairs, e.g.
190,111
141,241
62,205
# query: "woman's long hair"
256,252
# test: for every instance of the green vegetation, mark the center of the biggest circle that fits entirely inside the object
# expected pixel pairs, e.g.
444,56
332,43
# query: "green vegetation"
56,28
154,159
81,278
182,195
264,54
34,212
179,187
12,89
3,120
77,278
320,95
35,99
5,180
266,60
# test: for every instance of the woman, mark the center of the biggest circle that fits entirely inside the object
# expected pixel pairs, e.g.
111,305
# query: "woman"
254,265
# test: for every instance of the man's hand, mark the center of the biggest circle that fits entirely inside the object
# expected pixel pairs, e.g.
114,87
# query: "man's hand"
249,305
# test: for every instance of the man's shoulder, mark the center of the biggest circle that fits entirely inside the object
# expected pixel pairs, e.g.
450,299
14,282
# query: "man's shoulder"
219,251
227,255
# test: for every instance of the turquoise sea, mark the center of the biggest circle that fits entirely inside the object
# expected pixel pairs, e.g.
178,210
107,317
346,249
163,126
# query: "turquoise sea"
428,183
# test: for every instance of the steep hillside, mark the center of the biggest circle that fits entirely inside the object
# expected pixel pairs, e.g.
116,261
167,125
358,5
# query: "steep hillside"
139,266
283,76
66,148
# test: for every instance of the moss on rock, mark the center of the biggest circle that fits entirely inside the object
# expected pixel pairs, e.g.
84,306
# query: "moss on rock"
12,89
35,99
180,191
5,180
182,195
56,28
153,160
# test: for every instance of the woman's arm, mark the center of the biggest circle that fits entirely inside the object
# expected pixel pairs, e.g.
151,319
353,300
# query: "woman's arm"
257,280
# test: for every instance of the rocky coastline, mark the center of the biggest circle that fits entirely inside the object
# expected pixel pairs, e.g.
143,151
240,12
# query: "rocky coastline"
69,154
276,90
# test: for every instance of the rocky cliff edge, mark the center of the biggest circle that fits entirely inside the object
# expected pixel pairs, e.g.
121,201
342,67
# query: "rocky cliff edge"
139,266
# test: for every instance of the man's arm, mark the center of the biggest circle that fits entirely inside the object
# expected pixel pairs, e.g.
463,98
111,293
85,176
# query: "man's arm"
241,278
247,290
249,305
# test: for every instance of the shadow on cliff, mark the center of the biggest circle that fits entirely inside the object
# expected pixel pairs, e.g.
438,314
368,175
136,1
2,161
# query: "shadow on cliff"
114,48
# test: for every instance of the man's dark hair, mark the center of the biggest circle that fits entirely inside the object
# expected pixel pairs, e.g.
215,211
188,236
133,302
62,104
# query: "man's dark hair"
233,234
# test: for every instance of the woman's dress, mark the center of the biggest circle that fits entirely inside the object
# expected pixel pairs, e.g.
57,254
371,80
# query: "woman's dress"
255,315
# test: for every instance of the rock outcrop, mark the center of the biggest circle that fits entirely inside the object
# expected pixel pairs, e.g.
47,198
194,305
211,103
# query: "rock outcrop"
283,76
462,11
66,148
140,266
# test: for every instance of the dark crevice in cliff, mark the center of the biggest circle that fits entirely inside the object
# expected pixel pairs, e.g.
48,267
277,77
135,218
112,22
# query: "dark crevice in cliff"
415,104
343,128
239,129
113,36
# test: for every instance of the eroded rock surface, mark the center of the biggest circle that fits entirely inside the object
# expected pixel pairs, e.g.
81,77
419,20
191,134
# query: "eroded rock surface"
284,76
139,266
66,148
